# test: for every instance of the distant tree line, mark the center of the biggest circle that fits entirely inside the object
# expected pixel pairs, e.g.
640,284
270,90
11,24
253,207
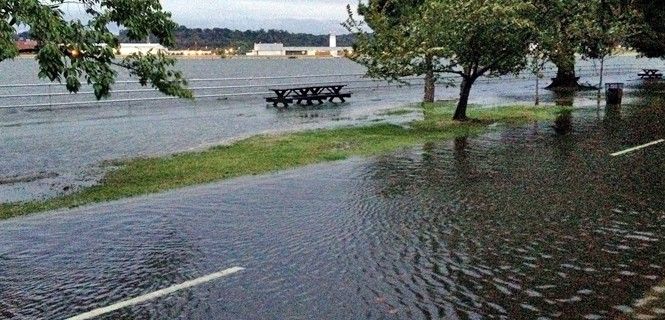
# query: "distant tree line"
220,38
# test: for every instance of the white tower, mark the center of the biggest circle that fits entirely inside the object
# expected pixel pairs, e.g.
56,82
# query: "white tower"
333,40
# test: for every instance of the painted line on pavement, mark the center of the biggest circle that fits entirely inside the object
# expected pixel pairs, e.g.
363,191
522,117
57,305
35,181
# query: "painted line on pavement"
638,148
156,294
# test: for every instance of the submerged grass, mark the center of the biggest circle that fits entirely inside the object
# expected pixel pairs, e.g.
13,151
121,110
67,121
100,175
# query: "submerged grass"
397,112
269,153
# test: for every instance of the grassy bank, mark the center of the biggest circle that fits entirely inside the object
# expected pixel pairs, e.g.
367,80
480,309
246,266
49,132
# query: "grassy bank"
270,153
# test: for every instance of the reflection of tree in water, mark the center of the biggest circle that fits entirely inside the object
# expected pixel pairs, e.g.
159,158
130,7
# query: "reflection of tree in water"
613,121
563,124
564,98
532,229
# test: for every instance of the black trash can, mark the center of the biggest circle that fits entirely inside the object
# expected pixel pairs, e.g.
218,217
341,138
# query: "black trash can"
614,93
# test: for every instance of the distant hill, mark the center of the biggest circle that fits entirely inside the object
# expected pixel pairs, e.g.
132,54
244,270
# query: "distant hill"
219,38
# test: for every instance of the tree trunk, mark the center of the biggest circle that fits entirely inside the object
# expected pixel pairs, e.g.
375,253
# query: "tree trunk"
465,91
430,81
565,75
537,90
600,83
539,75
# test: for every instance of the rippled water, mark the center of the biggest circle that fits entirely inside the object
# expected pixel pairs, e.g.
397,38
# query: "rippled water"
517,224
49,151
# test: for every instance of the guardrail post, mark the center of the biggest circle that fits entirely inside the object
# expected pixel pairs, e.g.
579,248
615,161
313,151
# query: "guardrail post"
50,101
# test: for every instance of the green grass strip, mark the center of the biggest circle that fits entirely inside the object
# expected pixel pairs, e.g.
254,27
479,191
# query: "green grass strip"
270,153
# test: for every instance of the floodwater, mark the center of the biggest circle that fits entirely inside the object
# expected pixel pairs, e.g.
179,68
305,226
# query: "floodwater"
519,223
47,151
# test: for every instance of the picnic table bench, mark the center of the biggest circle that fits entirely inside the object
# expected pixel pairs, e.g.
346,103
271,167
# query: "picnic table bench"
650,74
308,94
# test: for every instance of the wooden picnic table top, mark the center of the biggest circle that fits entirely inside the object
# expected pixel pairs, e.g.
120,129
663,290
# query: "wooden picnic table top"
650,74
313,90
310,87
309,94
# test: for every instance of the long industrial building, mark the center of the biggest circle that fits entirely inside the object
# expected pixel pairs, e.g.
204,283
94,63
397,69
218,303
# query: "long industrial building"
278,49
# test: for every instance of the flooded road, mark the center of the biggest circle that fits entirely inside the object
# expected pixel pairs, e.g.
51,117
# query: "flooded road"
520,223
48,151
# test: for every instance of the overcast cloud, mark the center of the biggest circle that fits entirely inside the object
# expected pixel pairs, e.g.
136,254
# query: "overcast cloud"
311,16
308,16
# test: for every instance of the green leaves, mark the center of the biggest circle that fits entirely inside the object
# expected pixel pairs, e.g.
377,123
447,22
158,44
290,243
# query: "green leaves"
154,69
72,51
650,40
591,28
469,37
7,47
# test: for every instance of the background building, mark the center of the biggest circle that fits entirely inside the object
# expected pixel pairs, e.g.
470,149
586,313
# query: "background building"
131,48
27,46
278,49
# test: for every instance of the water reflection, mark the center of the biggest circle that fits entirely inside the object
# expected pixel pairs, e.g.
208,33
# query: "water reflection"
613,119
563,124
520,223
518,231
564,98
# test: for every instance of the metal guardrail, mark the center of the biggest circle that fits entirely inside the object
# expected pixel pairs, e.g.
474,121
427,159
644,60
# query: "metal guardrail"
39,95
55,95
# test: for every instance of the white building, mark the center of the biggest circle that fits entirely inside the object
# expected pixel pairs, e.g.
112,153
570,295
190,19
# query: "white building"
278,49
268,49
144,48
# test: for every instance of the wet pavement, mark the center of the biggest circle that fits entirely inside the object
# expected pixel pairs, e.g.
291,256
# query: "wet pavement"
519,223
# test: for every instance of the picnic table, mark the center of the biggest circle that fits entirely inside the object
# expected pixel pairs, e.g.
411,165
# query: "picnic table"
309,94
650,74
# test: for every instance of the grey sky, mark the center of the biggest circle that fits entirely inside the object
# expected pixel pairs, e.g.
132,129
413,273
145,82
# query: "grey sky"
312,16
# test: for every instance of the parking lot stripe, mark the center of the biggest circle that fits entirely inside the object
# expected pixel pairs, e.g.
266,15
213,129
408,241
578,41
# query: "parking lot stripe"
638,148
156,294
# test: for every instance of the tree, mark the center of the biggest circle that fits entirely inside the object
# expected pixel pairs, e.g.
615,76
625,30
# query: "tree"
468,38
604,25
384,52
590,28
650,42
71,50
558,38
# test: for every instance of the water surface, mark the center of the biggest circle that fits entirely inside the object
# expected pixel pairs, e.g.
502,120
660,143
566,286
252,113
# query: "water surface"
519,223
48,151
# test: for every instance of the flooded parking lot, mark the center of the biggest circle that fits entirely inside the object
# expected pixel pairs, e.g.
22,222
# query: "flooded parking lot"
46,151
518,223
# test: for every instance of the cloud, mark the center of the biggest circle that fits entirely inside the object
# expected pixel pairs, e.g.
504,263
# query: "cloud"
293,15
307,16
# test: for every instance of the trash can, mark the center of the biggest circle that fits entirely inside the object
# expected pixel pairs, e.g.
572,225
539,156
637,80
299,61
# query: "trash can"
614,93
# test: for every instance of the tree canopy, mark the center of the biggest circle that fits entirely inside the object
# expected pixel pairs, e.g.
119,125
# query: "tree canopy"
468,38
591,28
651,41
72,50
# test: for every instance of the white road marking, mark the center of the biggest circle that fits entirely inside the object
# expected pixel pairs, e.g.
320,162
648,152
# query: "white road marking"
156,294
638,148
